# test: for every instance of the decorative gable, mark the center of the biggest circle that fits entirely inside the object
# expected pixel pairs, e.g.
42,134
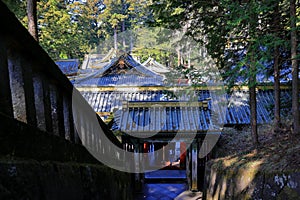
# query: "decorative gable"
121,67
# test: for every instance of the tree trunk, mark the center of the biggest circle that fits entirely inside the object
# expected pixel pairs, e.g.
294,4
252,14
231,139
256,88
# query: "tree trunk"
131,42
253,110
277,89
178,57
32,18
252,78
123,31
115,38
276,26
123,25
295,89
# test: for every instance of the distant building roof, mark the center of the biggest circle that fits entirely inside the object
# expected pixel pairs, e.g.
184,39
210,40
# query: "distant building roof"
98,60
122,79
153,65
123,70
69,66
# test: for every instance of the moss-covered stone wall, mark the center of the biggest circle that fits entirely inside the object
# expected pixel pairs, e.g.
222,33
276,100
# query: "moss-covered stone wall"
26,179
248,182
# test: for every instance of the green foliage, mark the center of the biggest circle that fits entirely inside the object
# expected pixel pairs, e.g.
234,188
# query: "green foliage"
55,29
70,29
237,34
18,7
130,12
153,42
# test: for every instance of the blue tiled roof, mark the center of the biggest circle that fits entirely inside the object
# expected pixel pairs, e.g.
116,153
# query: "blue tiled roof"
236,112
169,119
68,67
122,79
108,101
143,77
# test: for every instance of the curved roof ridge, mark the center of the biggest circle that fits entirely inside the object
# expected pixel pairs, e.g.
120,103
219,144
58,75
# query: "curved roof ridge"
156,65
147,61
97,73
111,53
129,60
141,68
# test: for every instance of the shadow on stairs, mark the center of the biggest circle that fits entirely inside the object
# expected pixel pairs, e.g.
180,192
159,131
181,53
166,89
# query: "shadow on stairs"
166,185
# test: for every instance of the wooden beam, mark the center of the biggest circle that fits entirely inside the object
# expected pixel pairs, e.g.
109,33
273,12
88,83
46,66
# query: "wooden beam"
101,114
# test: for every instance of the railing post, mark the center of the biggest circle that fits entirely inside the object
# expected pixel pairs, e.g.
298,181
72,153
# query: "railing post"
5,93
54,109
75,120
39,101
71,120
29,93
60,114
17,85
67,121
47,106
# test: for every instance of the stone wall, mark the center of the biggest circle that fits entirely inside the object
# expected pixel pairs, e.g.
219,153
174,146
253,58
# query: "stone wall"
248,182
52,180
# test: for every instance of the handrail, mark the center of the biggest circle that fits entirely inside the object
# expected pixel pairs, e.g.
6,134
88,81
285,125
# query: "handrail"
33,88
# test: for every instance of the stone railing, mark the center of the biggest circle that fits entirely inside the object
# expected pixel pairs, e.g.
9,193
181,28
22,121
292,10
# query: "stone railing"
34,90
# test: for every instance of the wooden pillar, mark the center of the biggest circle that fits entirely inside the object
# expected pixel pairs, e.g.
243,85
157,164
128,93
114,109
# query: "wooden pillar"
192,166
137,162
194,163
5,92
203,147
182,154
188,167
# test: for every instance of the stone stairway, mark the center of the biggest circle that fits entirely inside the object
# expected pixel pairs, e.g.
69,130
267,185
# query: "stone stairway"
166,185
